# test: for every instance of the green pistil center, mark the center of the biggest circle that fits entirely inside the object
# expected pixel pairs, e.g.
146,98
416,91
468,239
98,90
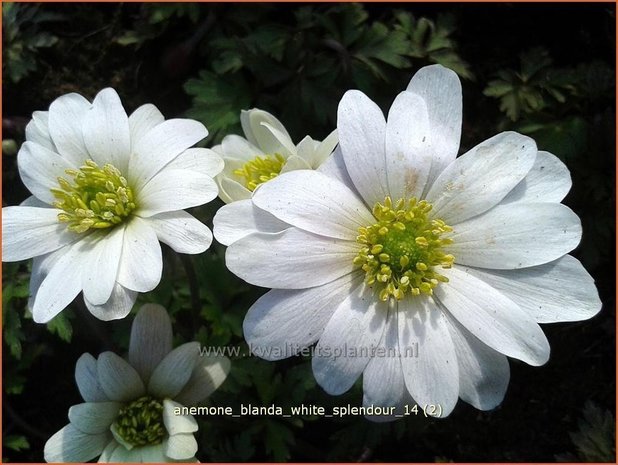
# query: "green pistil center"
401,250
140,423
94,198
260,170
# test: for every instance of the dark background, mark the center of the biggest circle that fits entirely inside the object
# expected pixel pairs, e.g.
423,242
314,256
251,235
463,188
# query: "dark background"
209,61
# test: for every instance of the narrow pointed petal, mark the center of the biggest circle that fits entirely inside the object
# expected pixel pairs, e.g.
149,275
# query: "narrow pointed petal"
151,339
440,88
106,131
493,318
362,130
482,177
357,325
432,377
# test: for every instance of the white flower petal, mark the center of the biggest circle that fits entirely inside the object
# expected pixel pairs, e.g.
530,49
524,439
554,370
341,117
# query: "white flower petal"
294,163
174,189
62,283
345,347
558,291
32,201
153,454
291,259
362,130
482,177
282,322
172,374
41,266
204,161
118,379
66,116
71,445
209,373
143,120
260,135
441,90
94,417
161,145
323,150
141,263
432,378
107,453
549,180
99,277
237,147
106,131
282,137
151,339
40,168
122,455
30,231
241,218
315,203
493,318
37,130
118,306
408,150
231,191
180,446
334,167
87,379
181,231
383,383
516,235
483,372
177,423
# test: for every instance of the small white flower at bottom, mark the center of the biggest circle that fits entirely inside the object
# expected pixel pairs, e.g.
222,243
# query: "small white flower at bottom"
131,408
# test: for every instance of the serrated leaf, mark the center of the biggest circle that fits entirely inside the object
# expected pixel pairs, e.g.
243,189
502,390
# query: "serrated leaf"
16,443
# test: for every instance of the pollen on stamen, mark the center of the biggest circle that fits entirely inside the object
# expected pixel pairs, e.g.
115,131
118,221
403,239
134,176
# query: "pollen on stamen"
97,198
260,170
402,252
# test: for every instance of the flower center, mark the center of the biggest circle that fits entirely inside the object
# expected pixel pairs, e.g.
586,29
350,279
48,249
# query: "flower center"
95,198
260,170
140,423
399,253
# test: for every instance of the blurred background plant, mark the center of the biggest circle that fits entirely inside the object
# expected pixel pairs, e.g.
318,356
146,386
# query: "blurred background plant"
554,82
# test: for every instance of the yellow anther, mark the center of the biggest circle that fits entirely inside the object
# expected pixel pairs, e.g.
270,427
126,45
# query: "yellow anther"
260,170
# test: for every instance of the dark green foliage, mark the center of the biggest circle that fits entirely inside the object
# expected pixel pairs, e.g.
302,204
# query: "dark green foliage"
553,80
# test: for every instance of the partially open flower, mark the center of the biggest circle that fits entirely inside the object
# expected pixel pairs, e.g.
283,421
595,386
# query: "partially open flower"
131,409
106,188
266,152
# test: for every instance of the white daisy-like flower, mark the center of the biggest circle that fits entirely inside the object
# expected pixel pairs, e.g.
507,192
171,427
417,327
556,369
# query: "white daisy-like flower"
134,411
106,188
419,270
266,152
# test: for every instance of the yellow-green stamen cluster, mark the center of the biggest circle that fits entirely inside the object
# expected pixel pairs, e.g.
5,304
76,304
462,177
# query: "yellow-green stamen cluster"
140,423
400,252
97,198
260,170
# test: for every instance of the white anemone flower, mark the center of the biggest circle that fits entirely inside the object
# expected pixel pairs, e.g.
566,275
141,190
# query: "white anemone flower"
134,410
106,188
419,270
266,152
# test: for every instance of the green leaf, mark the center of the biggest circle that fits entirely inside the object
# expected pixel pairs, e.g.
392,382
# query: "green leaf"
16,443
61,326
595,438
217,101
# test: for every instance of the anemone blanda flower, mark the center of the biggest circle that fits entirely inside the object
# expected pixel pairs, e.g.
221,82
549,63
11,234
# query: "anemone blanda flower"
266,152
106,188
395,243
131,408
